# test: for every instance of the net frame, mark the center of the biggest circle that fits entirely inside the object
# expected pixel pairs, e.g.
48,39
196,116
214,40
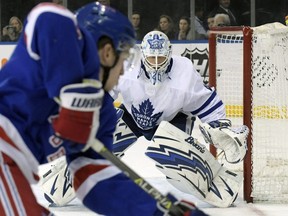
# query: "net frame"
252,78
247,33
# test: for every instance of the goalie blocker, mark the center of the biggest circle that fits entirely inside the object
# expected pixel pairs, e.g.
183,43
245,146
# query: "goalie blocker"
191,168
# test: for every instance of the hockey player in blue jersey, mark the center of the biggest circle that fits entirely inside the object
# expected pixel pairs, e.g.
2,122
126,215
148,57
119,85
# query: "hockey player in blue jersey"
52,104
161,97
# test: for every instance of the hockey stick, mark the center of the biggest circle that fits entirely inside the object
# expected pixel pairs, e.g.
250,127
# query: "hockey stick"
138,180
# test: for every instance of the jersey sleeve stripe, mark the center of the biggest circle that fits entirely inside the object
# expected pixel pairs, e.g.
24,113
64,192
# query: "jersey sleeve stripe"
94,179
219,104
17,149
211,98
81,169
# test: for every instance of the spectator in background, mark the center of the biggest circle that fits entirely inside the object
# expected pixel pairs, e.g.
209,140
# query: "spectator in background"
11,33
136,22
184,28
221,20
186,33
210,22
224,7
200,31
166,26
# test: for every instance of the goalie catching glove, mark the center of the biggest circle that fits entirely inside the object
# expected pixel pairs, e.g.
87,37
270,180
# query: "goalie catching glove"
231,140
78,120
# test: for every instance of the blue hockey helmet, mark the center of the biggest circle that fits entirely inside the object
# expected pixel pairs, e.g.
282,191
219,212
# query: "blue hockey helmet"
101,21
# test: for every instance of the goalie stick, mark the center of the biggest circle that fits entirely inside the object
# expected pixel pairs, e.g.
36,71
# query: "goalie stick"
138,180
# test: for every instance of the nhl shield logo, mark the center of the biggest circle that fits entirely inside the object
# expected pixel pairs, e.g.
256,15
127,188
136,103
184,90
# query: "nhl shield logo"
199,59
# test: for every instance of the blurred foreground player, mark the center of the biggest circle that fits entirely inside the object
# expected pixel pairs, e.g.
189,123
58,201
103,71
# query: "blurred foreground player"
50,86
161,96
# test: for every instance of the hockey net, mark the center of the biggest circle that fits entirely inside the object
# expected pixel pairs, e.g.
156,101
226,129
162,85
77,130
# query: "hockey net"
249,68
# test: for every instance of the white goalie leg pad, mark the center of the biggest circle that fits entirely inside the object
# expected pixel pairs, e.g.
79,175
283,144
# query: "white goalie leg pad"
189,166
123,137
56,184
233,141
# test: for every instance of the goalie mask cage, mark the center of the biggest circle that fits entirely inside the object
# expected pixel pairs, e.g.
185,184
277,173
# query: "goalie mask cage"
248,67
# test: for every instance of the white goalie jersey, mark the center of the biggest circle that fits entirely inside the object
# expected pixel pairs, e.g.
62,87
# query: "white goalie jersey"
182,91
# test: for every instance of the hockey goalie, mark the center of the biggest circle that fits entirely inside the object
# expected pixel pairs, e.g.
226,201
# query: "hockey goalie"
162,96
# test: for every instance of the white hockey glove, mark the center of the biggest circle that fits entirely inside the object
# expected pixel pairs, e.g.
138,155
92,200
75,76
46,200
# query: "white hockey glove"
231,140
78,120
56,184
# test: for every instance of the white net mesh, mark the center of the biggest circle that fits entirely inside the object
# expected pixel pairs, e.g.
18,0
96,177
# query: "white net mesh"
269,103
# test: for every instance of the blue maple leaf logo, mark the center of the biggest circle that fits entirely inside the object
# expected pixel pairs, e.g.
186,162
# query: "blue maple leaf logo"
144,116
156,42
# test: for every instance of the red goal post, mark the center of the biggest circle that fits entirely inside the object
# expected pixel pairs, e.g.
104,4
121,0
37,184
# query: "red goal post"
249,69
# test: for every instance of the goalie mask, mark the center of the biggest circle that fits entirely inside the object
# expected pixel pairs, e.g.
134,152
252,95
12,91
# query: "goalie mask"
156,56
